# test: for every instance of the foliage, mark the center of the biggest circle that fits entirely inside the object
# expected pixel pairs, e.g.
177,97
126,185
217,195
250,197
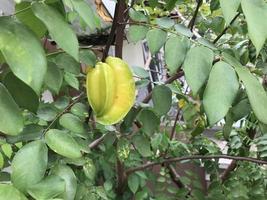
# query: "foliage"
215,55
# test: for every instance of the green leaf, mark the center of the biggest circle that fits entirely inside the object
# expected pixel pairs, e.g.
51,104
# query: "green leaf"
23,52
11,193
67,174
155,40
197,66
62,143
149,120
137,33
2,161
29,165
220,92
72,123
229,9
23,95
140,72
255,13
68,63
7,150
162,99
53,77
30,132
47,112
28,18
12,123
137,16
80,110
175,52
133,183
142,145
56,25
86,13
183,30
165,22
89,170
170,4
48,188
256,94
87,57
71,80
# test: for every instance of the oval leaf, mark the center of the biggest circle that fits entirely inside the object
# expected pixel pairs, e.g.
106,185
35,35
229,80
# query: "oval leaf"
43,189
220,92
59,30
12,123
137,33
149,120
197,66
255,13
10,192
72,123
62,143
29,165
155,40
256,94
23,95
86,13
23,52
53,77
162,99
67,174
175,52
142,145
229,9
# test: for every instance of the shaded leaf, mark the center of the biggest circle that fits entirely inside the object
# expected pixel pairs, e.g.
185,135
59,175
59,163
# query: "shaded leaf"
133,183
137,16
142,145
149,120
87,57
71,80
12,123
140,71
86,13
68,63
23,95
28,18
53,77
67,174
48,188
162,99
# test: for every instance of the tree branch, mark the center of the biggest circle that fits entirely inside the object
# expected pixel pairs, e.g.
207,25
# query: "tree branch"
96,142
193,157
193,20
225,29
112,33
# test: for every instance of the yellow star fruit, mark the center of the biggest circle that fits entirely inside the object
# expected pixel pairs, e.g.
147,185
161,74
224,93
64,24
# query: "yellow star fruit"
110,90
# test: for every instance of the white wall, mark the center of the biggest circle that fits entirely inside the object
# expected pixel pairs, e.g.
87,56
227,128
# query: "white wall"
6,7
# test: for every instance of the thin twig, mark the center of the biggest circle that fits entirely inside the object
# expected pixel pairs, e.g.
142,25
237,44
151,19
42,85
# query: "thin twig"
225,29
174,125
193,20
112,32
194,157
96,142
22,10
61,113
